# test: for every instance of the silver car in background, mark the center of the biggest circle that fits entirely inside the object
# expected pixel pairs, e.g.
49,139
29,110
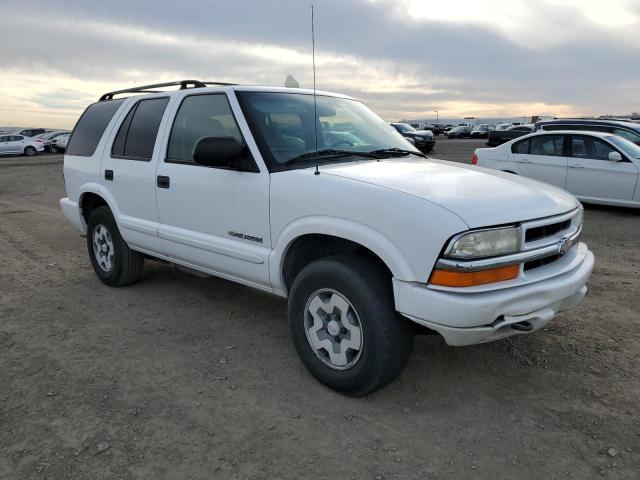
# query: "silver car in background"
16,144
47,139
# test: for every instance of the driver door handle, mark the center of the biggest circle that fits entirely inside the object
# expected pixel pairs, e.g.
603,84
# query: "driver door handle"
524,160
163,181
575,165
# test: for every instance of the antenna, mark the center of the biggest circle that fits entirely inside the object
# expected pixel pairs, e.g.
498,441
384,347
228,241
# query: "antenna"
315,103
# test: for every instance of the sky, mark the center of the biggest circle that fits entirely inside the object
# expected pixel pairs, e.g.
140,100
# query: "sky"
403,58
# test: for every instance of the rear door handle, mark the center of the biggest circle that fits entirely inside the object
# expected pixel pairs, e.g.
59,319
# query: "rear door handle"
575,165
524,160
163,182
108,175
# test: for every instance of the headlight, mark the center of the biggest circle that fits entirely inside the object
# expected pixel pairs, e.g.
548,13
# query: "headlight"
485,243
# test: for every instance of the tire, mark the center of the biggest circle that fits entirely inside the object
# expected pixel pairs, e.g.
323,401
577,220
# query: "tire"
30,151
428,150
386,337
117,265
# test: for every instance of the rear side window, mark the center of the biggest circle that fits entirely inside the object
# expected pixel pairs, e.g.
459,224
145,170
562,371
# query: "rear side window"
89,129
550,145
137,134
521,147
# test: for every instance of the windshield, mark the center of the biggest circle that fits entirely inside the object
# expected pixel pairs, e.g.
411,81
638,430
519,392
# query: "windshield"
628,147
283,126
403,127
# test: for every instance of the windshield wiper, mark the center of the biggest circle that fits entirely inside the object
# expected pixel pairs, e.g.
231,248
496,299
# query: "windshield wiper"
328,152
385,152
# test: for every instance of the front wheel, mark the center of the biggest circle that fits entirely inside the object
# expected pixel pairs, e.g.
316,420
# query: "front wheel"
113,261
30,151
344,325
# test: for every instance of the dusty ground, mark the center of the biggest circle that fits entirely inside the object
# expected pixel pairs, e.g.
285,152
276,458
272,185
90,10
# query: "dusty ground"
180,377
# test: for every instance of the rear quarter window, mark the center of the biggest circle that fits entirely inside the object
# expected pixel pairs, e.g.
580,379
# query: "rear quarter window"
520,147
89,129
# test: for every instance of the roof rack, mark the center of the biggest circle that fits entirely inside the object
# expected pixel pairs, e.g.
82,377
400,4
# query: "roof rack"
149,88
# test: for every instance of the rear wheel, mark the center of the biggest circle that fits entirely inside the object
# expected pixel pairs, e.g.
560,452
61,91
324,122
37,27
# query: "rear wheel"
344,325
30,151
113,261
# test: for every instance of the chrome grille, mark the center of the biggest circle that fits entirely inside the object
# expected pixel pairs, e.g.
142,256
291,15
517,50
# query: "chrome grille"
548,231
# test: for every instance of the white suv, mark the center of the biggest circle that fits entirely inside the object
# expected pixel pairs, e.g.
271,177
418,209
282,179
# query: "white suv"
317,199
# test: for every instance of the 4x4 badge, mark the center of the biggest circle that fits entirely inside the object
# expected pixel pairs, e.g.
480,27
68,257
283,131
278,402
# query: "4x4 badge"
244,236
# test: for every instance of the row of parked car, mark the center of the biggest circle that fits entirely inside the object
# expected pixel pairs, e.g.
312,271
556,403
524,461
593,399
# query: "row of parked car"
598,161
31,141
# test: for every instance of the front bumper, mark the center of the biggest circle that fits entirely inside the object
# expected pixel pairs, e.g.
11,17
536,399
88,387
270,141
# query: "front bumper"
466,318
426,144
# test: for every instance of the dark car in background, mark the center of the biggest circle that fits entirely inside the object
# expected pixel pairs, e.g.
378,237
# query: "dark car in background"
32,132
498,137
481,131
437,128
624,129
460,132
424,140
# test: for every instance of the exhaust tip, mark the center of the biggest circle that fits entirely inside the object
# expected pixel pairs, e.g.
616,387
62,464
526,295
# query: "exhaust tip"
522,326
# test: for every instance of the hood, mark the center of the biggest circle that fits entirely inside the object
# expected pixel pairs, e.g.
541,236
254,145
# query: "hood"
428,133
479,196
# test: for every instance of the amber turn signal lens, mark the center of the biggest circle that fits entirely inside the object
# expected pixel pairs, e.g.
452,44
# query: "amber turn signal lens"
446,278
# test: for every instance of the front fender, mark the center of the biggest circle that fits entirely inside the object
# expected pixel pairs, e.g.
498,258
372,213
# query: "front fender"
336,227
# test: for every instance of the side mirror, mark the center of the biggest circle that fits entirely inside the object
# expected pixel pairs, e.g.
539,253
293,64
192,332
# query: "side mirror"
221,152
615,157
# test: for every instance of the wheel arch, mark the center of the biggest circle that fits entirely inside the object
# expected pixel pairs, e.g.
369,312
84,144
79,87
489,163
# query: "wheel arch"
315,237
91,197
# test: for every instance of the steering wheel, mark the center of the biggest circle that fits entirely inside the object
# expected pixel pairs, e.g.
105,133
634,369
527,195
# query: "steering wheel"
342,143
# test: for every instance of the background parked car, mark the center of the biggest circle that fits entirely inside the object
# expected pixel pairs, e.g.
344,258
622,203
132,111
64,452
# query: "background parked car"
49,136
503,126
628,130
481,131
498,137
59,144
32,132
19,145
596,167
424,140
459,132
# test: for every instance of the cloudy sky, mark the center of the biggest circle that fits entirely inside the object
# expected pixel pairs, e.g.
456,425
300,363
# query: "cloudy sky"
404,58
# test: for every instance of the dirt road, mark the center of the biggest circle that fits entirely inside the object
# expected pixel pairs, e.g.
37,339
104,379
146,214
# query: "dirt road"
181,377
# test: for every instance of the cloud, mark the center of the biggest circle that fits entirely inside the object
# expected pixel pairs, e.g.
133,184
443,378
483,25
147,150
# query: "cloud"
404,58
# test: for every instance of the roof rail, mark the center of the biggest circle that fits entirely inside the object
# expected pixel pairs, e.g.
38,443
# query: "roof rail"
149,88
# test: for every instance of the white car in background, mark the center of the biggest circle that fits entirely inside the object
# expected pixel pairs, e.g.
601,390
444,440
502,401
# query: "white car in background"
59,143
15,144
596,167
48,137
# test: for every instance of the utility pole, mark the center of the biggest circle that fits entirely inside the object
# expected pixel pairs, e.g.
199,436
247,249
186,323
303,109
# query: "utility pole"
437,112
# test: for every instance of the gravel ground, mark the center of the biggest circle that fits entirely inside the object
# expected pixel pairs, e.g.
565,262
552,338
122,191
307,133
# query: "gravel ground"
181,377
